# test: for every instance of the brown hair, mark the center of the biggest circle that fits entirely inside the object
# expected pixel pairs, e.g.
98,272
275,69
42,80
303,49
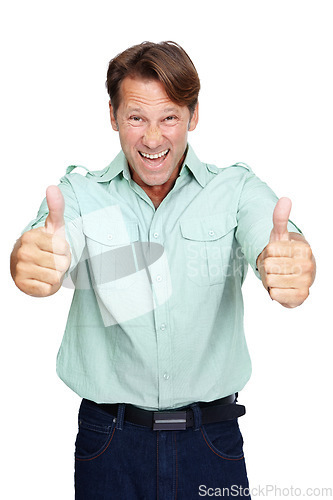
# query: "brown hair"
164,61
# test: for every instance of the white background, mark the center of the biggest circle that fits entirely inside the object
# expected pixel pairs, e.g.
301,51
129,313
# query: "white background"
266,99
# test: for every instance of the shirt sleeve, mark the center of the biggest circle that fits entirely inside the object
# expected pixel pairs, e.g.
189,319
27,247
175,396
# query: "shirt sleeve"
255,218
73,222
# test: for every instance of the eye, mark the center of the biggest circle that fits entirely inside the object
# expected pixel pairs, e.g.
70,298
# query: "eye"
135,118
170,118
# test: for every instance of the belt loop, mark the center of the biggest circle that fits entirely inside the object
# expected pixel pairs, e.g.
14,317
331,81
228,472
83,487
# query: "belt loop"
120,416
197,416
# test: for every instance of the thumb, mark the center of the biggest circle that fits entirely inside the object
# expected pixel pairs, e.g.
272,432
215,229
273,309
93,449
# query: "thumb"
55,220
280,220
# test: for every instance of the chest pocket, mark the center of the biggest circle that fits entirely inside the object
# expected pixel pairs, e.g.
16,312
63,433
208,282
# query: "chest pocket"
110,250
207,245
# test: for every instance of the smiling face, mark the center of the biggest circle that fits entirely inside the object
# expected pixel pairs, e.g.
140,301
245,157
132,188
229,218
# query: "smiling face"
153,133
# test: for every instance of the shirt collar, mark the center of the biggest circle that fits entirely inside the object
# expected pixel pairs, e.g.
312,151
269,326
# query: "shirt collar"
119,164
197,168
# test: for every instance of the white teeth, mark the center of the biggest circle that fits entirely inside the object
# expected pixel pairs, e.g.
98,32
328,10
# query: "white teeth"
152,157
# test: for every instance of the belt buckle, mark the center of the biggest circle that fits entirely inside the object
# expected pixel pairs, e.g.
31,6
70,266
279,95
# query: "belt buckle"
169,421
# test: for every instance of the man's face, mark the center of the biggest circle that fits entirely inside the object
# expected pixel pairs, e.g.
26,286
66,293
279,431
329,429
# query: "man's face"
153,131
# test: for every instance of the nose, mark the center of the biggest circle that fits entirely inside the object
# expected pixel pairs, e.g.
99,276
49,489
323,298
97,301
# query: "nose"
152,137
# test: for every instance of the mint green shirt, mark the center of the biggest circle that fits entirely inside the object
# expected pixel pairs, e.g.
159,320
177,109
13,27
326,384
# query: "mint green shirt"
157,313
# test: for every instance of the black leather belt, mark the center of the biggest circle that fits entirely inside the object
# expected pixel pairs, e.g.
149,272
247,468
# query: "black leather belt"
181,418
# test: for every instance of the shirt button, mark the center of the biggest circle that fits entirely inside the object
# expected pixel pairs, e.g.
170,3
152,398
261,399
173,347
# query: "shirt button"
162,327
166,376
158,278
110,236
211,233
155,235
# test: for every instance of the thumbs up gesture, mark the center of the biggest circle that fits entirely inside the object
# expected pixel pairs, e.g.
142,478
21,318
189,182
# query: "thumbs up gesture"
286,265
55,223
280,220
41,256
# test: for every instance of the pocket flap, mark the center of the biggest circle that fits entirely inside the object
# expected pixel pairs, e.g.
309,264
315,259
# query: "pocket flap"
111,233
209,228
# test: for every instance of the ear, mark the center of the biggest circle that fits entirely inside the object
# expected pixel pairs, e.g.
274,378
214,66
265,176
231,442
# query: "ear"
194,120
114,123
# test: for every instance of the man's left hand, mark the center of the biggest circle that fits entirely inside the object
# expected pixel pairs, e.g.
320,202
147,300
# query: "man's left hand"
286,265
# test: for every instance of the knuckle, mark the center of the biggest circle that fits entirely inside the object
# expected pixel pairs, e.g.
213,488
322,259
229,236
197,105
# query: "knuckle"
274,293
19,283
65,247
31,236
265,266
23,253
269,280
307,250
303,250
63,266
43,289
59,266
56,278
270,249
27,237
308,266
60,245
20,268
47,289
59,263
31,288
35,287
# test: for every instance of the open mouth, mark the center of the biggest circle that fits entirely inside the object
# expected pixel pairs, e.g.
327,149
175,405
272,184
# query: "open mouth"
155,158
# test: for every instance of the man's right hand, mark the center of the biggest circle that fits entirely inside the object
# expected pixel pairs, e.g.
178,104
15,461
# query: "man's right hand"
41,256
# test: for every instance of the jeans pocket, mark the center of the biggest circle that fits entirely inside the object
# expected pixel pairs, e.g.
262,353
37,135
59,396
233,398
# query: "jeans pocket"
224,439
94,436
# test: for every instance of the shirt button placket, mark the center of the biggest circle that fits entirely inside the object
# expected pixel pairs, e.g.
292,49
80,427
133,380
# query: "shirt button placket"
163,350
163,341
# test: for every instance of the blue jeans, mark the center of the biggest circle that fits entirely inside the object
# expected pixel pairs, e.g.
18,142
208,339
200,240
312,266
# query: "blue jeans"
115,459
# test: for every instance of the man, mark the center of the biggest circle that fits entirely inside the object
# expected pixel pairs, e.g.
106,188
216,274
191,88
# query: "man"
157,245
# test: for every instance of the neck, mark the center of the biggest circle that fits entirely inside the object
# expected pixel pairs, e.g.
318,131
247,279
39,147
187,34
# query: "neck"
159,192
